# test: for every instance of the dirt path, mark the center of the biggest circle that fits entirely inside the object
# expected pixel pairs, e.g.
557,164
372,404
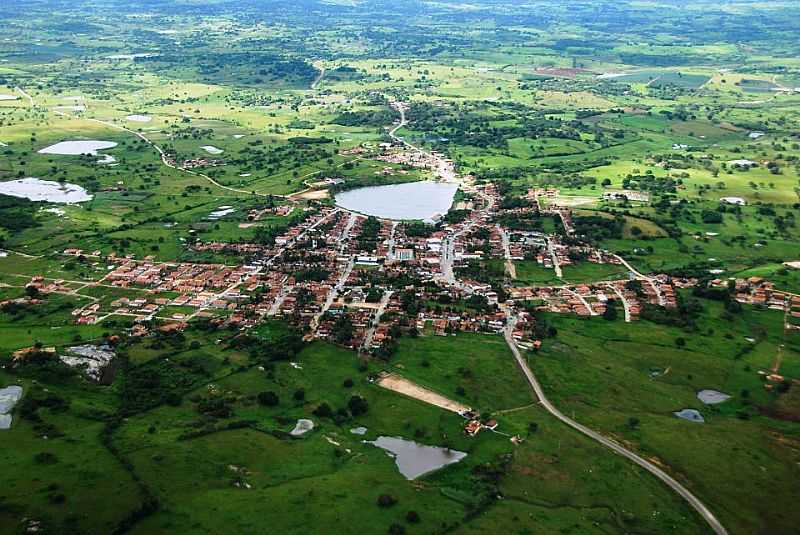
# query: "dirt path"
320,76
403,386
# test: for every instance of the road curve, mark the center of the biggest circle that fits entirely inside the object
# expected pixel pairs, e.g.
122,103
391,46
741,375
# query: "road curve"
692,500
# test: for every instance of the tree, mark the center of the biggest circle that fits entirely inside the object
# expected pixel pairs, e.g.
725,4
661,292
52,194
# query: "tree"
610,312
343,330
323,410
268,399
680,342
633,422
299,394
412,517
357,405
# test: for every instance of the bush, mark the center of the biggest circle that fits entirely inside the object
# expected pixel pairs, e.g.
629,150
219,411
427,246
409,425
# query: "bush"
268,399
412,517
45,457
385,500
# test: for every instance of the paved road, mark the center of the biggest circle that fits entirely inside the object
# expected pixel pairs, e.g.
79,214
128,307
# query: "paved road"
690,498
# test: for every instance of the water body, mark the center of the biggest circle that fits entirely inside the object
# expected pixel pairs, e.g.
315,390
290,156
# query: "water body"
76,148
414,200
9,396
212,149
139,118
133,56
302,427
35,189
690,414
712,397
413,459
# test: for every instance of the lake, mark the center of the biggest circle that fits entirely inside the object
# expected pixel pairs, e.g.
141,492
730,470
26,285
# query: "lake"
413,200
413,459
35,189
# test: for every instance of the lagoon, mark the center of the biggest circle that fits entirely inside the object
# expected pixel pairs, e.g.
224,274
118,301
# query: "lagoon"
412,200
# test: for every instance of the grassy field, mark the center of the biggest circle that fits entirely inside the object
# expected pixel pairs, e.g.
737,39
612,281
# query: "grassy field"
607,373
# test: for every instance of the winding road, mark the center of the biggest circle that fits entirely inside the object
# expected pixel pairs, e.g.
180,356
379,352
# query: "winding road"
614,446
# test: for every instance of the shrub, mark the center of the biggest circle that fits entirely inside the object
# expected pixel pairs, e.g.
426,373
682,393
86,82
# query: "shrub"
268,399
385,500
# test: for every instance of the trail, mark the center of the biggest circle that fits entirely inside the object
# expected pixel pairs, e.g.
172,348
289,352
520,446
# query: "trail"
26,95
320,76
165,160
614,446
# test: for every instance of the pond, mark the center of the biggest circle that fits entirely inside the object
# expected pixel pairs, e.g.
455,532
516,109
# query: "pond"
9,396
302,427
413,459
413,200
712,397
690,414
136,118
35,189
76,148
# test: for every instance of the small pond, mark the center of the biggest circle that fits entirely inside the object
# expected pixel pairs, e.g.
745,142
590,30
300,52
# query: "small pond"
413,459
302,427
413,200
690,414
136,118
712,397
